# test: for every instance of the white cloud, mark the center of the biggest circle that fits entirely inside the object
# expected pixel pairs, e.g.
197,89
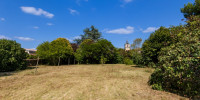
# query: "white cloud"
150,29
73,12
125,2
37,12
77,37
127,30
24,38
36,27
79,1
73,38
4,37
2,19
70,40
50,24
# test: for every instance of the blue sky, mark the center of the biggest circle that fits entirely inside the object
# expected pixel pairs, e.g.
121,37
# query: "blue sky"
31,22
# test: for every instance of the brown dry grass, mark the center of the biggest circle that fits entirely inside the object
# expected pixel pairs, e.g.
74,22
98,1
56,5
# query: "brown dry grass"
81,82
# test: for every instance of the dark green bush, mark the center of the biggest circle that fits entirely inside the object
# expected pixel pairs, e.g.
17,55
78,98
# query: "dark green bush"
32,57
137,58
179,69
128,61
11,56
152,46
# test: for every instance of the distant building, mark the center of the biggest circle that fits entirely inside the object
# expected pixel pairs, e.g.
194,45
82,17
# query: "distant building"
31,51
127,46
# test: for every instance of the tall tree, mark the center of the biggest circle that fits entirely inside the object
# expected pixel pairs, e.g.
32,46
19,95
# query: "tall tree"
60,48
136,43
91,52
191,9
43,50
89,33
152,46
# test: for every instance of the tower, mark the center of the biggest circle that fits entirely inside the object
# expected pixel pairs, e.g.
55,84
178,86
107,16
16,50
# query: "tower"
127,46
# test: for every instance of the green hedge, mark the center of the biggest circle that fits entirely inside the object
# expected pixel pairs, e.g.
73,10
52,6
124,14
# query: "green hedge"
11,56
179,69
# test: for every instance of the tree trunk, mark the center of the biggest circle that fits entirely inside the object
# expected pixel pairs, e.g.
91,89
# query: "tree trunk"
38,61
59,61
37,64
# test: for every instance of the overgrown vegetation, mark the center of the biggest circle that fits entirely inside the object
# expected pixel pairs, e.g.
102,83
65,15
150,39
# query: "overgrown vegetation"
178,64
173,51
11,56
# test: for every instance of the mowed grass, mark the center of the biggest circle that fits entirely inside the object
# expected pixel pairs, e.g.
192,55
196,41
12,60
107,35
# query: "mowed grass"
81,82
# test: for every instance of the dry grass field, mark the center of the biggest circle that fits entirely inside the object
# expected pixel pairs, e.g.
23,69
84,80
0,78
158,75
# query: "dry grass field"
81,82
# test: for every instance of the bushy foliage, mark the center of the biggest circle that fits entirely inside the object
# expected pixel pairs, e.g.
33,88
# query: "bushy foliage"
55,51
119,56
43,50
191,9
89,33
128,61
60,49
91,52
137,57
179,65
152,46
32,57
11,56
78,56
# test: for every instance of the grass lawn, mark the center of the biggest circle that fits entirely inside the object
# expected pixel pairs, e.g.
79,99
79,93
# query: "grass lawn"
81,82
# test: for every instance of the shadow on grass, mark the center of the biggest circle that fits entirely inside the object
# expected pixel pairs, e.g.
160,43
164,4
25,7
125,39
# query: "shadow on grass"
2,74
6,74
31,67
139,66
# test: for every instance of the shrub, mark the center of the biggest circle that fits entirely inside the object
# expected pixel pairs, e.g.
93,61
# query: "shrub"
157,87
91,52
128,61
179,66
11,56
137,58
32,57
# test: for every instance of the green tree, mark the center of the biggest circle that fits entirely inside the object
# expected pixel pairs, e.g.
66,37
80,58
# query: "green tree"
136,43
179,66
152,46
86,50
106,49
60,49
191,9
119,55
12,56
78,56
137,57
92,52
89,33
43,50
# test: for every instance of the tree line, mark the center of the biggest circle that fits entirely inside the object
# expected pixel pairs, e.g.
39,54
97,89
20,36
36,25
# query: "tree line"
174,52
91,48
